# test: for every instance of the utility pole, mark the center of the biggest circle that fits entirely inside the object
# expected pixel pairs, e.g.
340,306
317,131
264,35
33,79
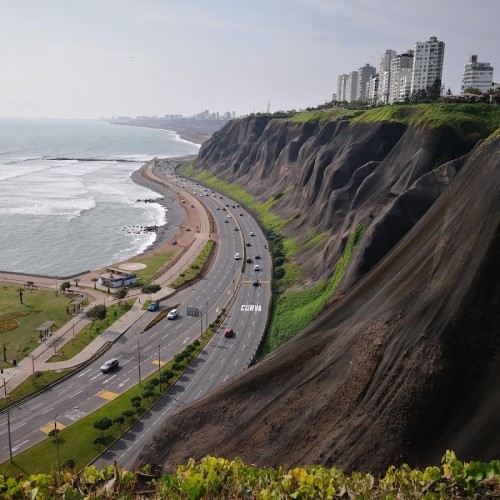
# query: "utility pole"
57,444
159,366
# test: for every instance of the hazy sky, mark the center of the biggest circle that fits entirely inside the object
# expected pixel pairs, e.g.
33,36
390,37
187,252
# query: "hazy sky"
92,58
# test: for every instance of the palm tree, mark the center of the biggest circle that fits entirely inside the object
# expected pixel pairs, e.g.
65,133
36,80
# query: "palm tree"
95,280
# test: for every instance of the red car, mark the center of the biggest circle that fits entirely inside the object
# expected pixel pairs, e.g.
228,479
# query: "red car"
229,332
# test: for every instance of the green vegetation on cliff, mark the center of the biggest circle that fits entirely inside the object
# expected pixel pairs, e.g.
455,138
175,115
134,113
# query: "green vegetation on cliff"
214,477
294,311
320,117
470,121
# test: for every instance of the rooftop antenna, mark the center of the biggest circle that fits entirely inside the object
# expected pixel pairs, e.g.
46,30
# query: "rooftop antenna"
269,107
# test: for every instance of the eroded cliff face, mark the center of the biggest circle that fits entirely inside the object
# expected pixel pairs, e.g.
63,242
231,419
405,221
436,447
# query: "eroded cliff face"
336,176
405,365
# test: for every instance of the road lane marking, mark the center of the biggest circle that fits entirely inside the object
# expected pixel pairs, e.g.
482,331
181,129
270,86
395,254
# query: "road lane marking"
46,411
237,359
76,393
123,383
15,448
83,373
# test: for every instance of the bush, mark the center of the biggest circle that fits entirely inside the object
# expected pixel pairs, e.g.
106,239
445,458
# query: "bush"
179,357
177,367
120,419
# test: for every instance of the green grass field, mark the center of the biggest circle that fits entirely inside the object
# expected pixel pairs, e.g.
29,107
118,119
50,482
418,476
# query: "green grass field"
38,306
154,263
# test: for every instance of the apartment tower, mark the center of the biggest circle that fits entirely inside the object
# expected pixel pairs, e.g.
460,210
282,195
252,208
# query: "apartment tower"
478,75
427,64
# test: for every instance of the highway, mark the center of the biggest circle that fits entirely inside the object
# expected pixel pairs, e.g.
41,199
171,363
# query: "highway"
223,358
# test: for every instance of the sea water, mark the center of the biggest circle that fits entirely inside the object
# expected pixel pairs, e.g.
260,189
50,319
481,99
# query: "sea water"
67,202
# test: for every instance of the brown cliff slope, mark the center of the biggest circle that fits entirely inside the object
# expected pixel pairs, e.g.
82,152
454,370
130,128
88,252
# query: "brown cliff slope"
404,366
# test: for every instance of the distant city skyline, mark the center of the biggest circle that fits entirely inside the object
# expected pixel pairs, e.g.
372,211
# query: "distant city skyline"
93,58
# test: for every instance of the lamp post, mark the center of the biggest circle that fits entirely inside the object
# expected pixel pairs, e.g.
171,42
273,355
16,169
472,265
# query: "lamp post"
159,366
139,357
57,444
8,431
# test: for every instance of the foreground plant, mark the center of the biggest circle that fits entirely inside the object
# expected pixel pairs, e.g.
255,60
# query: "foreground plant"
213,478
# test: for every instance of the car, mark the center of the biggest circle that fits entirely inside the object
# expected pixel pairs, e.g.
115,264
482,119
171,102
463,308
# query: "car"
257,257
256,267
237,205
154,305
252,233
226,221
109,365
173,314
241,214
192,205
229,216
188,229
228,332
249,244
249,260
256,283
227,204
217,208
220,197
224,208
234,206
236,228
236,256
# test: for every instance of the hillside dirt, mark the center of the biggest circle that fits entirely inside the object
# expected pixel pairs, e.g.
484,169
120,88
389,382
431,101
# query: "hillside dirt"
404,366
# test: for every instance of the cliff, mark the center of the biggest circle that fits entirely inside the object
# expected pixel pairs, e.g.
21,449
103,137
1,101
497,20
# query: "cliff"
404,365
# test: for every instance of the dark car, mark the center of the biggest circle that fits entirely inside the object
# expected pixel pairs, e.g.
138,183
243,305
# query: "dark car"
154,305
249,244
249,260
257,257
256,283
228,332
241,214
236,228
109,366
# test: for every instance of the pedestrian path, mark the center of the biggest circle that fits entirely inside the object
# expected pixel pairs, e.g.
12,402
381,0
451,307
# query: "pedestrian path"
38,359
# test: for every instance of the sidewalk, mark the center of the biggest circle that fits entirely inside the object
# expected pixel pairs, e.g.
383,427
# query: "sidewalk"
38,359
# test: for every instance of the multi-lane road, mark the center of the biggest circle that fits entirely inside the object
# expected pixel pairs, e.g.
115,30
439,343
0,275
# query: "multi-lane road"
227,281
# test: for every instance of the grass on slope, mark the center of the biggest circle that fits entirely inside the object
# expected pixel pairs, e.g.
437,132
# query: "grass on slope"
470,121
294,311
196,267
319,117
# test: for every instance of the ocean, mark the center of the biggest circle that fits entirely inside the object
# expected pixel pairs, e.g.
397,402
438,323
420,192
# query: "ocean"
67,202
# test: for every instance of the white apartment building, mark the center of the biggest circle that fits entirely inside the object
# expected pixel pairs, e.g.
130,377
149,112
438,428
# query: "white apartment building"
364,75
372,89
478,75
384,75
401,77
341,85
427,64
351,86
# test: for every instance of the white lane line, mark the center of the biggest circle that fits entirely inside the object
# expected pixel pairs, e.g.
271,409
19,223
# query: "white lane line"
95,376
147,348
83,373
123,383
15,448
197,395
222,360
225,378
36,406
76,393
18,427
109,379
185,340
211,376
46,411
237,359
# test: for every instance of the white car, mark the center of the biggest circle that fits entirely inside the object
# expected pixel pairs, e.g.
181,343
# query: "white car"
174,313
252,233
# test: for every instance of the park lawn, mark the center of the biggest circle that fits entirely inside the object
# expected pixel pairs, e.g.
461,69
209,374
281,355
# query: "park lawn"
154,263
40,306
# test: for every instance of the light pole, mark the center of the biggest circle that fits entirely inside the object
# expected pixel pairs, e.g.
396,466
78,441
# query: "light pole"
139,357
57,444
159,366
32,363
8,431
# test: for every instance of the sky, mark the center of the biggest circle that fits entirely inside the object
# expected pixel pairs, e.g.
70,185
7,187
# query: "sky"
104,58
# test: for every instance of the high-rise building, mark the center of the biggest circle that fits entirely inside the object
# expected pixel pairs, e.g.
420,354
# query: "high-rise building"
478,75
384,75
427,64
372,89
401,77
364,74
351,86
341,84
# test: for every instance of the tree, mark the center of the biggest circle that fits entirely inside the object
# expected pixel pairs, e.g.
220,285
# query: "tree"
120,419
76,280
97,312
103,424
472,90
149,289
64,286
95,280
121,294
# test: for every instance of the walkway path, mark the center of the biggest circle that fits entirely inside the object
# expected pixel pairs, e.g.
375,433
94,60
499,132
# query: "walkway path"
38,359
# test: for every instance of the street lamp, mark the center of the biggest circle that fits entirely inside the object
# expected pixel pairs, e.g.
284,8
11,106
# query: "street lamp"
139,357
8,430
159,366
57,444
